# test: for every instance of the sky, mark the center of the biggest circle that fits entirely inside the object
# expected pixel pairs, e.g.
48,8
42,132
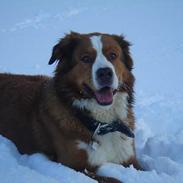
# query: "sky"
29,30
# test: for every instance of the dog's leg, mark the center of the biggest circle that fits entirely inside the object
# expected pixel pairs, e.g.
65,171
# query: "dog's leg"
136,164
101,179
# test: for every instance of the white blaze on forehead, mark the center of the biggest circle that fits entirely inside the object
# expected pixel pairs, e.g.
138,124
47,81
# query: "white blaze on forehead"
101,62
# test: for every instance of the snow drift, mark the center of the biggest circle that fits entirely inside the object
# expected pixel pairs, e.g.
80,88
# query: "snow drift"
160,155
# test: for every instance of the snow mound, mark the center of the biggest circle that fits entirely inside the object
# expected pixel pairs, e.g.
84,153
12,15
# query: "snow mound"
16,168
158,152
160,157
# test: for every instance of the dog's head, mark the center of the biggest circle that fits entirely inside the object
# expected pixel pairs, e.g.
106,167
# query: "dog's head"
93,66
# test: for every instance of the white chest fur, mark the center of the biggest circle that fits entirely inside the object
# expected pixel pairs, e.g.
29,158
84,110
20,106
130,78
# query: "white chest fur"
118,110
112,147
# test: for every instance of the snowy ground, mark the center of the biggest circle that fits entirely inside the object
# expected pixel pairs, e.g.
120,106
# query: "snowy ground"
29,29
159,153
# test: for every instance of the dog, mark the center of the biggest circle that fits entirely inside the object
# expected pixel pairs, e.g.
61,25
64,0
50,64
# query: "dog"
81,117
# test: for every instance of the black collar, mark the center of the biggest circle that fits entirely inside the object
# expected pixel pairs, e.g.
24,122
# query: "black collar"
102,128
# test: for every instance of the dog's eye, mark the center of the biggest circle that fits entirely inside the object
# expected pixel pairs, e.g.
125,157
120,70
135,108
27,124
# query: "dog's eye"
112,56
86,59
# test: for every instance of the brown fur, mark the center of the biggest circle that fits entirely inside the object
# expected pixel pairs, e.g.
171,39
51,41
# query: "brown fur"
36,112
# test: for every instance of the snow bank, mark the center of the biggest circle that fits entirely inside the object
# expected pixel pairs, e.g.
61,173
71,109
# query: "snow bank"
159,153
162,159
16,168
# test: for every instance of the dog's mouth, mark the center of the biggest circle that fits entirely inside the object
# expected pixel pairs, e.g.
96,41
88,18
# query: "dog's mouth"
104,96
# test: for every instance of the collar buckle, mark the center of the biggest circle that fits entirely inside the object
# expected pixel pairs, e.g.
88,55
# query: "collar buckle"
96,130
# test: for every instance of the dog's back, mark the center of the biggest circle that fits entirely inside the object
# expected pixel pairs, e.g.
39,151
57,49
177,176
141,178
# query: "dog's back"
19,98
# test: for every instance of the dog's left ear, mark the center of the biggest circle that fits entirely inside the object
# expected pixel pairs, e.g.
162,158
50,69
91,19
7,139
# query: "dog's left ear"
63,50
56,55
124,44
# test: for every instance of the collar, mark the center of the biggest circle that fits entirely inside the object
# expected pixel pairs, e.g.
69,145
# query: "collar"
102,128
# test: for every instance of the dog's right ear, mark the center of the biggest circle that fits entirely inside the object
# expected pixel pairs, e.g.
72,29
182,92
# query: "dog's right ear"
63,50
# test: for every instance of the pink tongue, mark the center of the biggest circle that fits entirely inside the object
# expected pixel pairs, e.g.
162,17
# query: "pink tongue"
104,96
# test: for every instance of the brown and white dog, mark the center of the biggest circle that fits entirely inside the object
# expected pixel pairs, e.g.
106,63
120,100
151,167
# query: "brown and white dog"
82,117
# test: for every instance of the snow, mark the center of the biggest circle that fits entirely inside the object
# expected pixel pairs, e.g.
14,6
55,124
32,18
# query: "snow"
16,168
28,31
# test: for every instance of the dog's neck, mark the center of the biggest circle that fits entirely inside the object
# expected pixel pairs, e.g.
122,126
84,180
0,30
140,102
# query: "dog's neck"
101,128
117,110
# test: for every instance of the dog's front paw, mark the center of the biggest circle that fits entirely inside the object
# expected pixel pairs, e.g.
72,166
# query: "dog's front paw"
108,180
101,179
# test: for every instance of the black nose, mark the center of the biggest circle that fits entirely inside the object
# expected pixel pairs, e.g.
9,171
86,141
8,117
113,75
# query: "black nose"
104,76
